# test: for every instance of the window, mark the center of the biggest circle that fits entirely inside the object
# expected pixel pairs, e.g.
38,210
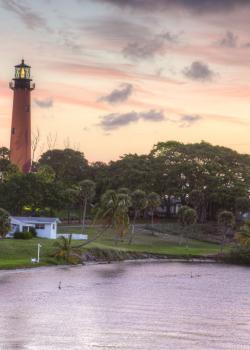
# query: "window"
13,131
40,226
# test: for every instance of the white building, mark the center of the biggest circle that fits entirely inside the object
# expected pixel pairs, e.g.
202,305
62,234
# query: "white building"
45,227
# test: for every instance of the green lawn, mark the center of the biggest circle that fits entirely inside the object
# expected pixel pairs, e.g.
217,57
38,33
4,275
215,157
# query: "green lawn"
18,253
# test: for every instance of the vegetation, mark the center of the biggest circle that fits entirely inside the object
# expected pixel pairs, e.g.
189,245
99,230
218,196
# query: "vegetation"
139,203
207,182
65,252
187,217
18,253
226,221
154,201
23,235
85,192
4,222
243,235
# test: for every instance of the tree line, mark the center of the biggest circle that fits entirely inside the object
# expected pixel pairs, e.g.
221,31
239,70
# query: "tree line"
205,177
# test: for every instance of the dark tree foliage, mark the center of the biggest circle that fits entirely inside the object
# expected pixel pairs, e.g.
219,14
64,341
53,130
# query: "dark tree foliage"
6,168
219,173
131,171
70,166
208,178
31,191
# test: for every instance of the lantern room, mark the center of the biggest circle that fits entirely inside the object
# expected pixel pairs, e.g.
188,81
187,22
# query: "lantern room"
22,79
22,71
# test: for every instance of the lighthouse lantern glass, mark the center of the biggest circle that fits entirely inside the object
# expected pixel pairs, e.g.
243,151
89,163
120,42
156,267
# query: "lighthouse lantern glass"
22,72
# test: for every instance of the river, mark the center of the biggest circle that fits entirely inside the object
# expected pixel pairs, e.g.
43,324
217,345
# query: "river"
134,305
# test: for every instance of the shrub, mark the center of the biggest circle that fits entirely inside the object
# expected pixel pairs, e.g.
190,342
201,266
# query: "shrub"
33,231
4,222
23,235
238,255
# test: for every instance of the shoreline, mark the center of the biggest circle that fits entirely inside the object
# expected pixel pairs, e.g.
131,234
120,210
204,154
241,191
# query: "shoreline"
201,260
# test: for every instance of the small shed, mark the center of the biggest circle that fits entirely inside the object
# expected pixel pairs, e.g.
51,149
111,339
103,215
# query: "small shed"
45,227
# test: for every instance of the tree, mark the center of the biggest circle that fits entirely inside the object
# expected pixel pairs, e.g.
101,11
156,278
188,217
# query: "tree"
123,190
181,214
226,221
4,222
30,191
113,211
131,171
46,173
196,199
70,166
187,216
220,173
85,193
243,235
242,205
139,203
98,172
154,200
64,250
69,199
6,168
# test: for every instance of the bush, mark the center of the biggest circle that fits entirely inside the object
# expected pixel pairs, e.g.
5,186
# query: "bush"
33,231
238,255
23,235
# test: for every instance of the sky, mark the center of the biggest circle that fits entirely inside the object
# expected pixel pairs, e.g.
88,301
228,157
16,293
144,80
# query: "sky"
117,76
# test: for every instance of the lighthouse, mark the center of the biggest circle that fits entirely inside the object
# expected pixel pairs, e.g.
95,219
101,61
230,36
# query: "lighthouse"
20,140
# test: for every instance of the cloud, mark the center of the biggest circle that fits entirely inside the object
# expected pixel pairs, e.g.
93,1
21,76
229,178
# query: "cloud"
115,120
199,71
148,48
196,6
47,103
246,45
116,30
154,116
119,95
69,39
30,18
188,120
230,40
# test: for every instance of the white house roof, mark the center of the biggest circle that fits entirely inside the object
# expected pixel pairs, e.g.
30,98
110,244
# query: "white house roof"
35,220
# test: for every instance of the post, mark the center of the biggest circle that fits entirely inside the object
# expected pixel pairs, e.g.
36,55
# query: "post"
38,252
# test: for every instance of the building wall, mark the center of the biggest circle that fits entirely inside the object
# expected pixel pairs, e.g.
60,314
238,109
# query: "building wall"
47,232
20,143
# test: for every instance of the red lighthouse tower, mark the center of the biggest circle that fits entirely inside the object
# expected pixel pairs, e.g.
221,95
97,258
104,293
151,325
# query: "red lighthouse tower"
20,141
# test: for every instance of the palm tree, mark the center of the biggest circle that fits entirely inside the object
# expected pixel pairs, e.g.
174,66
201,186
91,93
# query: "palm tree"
65,251
139,202
4,223
226,221
70,196
189,218
154,200
113,211
196,199
243,236
85,192
186,216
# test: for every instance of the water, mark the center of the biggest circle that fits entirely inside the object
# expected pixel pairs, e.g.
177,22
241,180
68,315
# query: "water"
126,306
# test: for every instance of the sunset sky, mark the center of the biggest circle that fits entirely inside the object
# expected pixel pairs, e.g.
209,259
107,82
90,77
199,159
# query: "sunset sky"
117,76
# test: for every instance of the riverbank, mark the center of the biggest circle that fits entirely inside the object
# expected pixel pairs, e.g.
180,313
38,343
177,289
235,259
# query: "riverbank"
18,253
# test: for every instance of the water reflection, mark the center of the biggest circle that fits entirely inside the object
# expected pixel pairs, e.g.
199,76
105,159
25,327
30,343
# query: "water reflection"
112,271
126,306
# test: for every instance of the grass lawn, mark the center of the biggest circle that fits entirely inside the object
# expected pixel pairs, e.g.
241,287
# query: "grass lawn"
18,253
